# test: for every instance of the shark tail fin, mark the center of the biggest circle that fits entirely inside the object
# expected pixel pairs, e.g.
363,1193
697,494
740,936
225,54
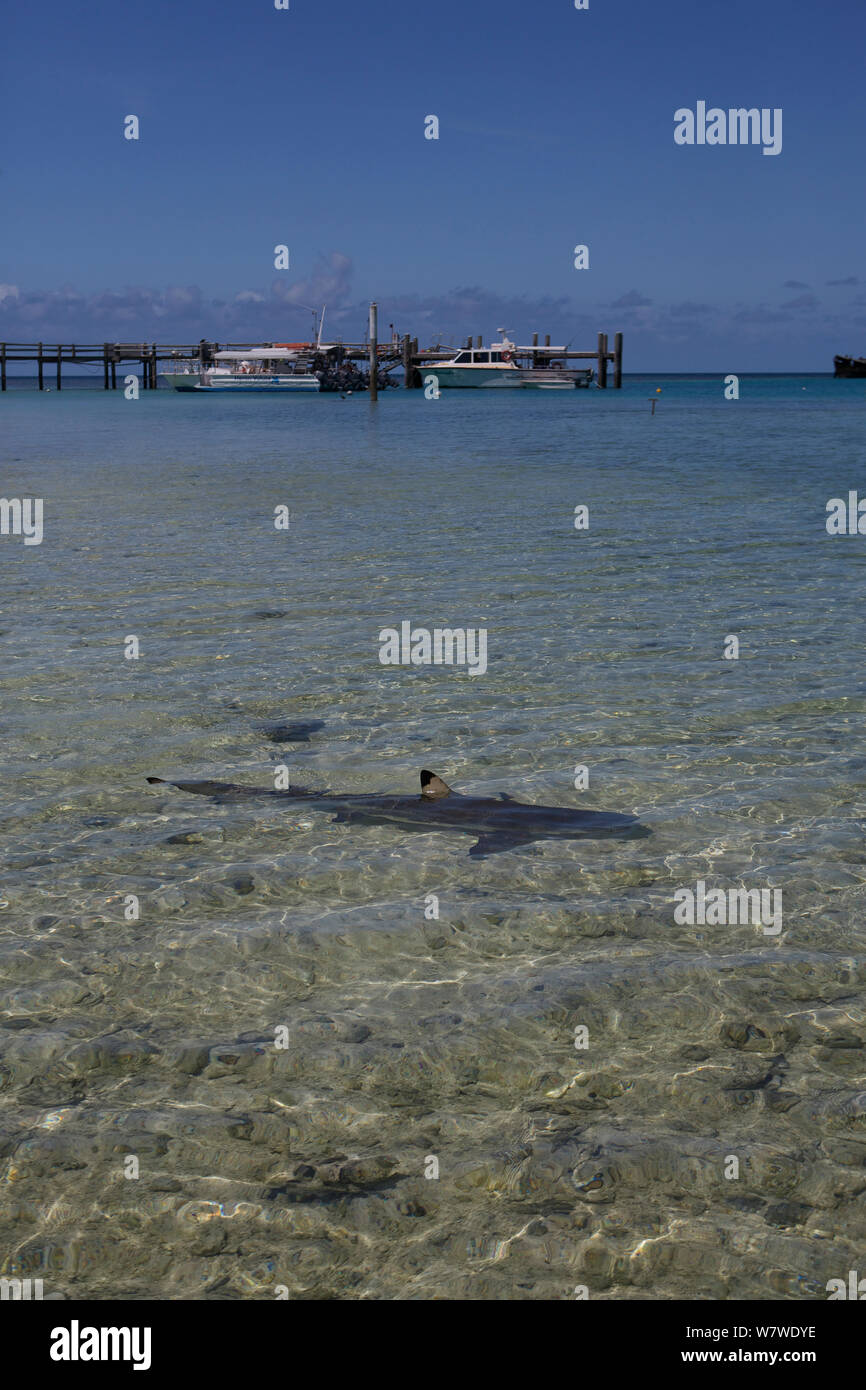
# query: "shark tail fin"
433,786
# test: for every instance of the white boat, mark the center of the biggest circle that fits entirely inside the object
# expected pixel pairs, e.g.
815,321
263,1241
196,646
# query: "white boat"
506,365
275,368
255,369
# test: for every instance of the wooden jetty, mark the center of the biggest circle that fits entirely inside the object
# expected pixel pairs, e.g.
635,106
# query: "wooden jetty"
400,351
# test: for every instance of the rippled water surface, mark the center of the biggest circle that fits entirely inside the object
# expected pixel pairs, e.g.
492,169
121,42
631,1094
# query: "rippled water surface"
300,1158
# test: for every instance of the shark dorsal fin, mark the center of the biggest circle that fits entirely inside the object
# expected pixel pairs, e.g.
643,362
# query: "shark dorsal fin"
433,786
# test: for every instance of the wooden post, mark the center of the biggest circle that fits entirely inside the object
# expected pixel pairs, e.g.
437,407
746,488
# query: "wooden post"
408,369
547,340
2,366
602,360
59,357
478,341
617,361
105,366
113,373
374,353
143,361
153,382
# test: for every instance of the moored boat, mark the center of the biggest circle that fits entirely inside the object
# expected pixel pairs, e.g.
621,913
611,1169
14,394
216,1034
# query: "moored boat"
253,370
849,366
278,368
506,365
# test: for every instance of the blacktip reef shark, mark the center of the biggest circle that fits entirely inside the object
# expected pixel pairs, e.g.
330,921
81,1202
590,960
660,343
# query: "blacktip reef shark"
499,823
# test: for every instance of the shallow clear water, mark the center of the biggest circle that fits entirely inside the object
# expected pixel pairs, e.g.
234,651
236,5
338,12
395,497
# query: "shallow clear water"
411,1038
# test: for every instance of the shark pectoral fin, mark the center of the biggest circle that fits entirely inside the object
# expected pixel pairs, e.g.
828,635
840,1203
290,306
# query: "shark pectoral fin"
497,843
433,786
503,796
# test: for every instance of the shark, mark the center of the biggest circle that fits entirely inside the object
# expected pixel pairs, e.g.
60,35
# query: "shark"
498,823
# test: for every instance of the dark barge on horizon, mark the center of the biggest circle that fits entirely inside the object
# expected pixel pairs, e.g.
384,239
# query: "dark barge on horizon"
849,366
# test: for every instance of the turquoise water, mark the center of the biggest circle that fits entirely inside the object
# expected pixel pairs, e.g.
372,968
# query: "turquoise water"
410,1038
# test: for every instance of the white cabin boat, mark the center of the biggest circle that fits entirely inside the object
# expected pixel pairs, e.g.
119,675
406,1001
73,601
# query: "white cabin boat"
506,365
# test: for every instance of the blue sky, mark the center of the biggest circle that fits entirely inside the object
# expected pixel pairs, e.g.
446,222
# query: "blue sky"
306,127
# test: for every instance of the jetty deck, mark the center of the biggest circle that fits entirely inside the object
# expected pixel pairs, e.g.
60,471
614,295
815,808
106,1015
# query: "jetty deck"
399,353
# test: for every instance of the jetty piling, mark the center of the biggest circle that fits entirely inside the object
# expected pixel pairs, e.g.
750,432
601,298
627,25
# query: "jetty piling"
602,360
374,352
408,368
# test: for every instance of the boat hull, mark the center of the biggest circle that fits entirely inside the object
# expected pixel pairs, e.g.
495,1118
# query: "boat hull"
509,378
179,381
242,385
478,377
